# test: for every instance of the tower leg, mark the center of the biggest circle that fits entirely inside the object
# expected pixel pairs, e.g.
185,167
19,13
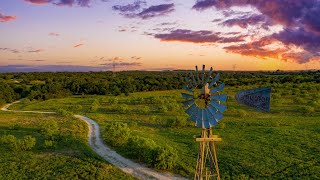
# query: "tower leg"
207,162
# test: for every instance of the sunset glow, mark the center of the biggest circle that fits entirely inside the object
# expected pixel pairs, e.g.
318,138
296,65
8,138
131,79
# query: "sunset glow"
160,35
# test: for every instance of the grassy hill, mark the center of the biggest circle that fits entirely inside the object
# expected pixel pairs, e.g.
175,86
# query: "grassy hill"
39,146
281,144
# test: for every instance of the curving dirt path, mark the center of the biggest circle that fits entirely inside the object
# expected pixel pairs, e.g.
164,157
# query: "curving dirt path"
96,143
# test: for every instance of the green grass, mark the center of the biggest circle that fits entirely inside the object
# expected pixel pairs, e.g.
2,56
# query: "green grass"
256,145
69,158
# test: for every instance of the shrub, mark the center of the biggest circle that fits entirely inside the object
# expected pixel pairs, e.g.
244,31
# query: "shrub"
48,143
299,100
163,109
307,109
64,113
145,109
177,122
48,128
27,143
94,106
78,107
123,108
242,113
15,127
10,141
166,157
116,133
113,100
142,149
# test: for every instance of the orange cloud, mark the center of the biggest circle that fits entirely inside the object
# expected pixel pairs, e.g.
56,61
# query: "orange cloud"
38,1
4,18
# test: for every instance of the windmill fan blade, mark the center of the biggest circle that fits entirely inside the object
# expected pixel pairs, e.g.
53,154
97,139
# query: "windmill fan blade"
208,77
186,88
203,71
191,109
186,96
195,115
214,80
212,121
199,118
188,103
220,107
211,110
219,88
194,80
218,116
220,97
197,72
205,118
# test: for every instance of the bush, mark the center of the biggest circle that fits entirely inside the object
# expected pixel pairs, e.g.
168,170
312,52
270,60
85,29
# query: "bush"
299,100
116,133
176,122
10,141
145,109
307,109
123,108
48,143
242,113
64,113
142,149
24,144
166,157
27,143
48,128
113,100
163,109
94,106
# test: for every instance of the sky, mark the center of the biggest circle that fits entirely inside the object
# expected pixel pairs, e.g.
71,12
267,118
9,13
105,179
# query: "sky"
94,35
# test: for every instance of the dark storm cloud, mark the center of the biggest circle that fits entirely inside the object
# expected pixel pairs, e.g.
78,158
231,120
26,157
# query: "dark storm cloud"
183,35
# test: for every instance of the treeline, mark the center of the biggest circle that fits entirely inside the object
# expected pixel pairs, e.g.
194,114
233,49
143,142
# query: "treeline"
46,85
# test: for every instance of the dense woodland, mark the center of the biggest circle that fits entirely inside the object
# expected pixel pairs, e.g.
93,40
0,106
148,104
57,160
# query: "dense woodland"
48,85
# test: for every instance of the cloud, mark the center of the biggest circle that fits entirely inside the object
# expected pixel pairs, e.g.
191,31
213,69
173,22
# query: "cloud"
154,11
82,3
54,34
49,68
245,21
129,8
136,10
78,45
10,50
4,18
39,1
122,64
300,22
203,36
36,51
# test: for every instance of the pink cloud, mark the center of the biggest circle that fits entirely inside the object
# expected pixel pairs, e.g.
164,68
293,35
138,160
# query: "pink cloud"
4,18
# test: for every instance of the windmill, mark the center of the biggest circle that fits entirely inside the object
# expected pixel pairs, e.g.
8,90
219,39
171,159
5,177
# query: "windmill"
205,108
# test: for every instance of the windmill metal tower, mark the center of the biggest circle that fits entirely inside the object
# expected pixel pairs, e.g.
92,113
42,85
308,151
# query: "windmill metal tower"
205,109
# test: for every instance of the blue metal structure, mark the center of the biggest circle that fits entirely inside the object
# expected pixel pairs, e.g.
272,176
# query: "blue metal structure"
258,98
210,115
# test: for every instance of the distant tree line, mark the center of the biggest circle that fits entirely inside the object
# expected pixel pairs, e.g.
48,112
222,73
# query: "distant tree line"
47,85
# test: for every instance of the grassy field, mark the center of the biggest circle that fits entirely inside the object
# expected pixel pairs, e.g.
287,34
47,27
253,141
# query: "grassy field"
60,150
281,144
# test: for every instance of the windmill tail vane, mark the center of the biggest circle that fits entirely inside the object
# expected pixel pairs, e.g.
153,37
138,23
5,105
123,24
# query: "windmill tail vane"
258,98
